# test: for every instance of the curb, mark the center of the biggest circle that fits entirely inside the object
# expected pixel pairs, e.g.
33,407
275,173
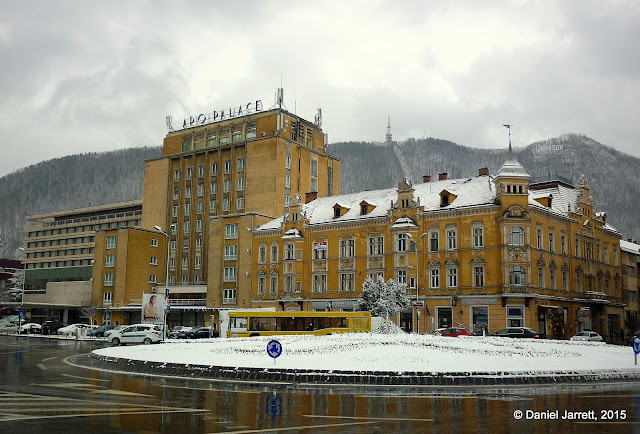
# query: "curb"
350,378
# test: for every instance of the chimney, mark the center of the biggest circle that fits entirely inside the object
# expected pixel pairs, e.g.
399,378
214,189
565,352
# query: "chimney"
310,195
483,171
426,178
442,176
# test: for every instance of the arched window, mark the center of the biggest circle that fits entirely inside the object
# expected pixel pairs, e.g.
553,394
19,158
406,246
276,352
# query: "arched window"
517,275
516,236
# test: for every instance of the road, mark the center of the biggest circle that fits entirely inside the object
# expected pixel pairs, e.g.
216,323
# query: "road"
40,392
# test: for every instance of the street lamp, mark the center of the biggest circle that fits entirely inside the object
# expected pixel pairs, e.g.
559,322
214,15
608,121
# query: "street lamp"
417,277
166,280
24,280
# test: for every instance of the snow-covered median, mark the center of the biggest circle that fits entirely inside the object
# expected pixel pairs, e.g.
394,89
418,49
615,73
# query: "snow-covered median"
393,353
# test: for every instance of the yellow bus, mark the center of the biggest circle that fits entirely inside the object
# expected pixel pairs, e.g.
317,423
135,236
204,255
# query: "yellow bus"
263,323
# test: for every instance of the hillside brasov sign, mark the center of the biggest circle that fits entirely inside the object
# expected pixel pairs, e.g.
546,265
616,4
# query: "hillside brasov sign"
233,112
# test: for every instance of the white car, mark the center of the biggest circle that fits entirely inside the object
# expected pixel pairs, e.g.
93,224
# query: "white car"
30,327
137,334
113,330
71,329
587,336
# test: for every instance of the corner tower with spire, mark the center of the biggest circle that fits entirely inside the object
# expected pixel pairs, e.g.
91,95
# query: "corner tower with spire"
512,181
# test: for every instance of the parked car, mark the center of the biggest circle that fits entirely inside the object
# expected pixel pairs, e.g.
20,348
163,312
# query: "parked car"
137,334
52,327
199,333
9,327
587,336
31,328
100,331
452,332
518,332
74,328
177,329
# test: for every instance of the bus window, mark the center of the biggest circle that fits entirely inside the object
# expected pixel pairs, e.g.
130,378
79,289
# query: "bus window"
338,322
238,323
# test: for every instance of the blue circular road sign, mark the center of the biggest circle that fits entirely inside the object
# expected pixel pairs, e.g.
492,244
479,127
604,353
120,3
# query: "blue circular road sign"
636,345
274,348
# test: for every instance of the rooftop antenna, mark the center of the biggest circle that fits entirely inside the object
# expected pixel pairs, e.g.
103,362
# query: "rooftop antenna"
388,136
169,125
509,126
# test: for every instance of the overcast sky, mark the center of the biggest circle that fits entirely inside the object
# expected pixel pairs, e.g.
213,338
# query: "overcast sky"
81,76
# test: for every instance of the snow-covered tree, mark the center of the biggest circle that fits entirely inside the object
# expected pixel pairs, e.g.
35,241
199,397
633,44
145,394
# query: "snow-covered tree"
382,298
13,290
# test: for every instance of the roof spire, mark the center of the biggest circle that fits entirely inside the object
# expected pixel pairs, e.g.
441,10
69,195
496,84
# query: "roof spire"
508,126
389,137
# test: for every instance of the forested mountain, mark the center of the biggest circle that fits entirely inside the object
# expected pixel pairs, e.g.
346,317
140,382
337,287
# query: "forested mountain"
614,177
74,181
98,178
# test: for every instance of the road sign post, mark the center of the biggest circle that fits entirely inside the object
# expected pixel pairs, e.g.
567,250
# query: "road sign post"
636,347
274,349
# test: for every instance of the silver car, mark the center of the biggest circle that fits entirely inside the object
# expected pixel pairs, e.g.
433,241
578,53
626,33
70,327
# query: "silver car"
587,336
137,334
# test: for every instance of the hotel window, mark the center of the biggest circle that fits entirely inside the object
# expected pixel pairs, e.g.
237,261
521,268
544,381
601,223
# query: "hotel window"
262,254
229,295
172,264
196,263
199,207
287,162
540,277
515,316
186,227
236,133
240,184
287,180
214,169
111,242
185,264
287,200
187,191
240,203
107,298
211,139
154,242
173,246
516,236
478,276
199,225
262,284
110,261
577,247
241,164
288,283
213,207
274,253
376,246
153,260
289,252
552,278
433,240
184,279
606,254
231,252
539,237
376,275
320,283
201,171
452,277
434,278
231,231
402,242
198,244
578,282
451,238
225,204
346,281
551,246
273,284
187,208
402,277
477,236
565,283
185,244
152,278
314,184
227,167
615,256
226,186
224,140
251,130
176,175
108,279
563,244
314,168
176,193
188,173
200,189
347,248
517,276
598,252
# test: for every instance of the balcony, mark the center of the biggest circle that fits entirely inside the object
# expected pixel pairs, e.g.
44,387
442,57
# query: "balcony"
518,289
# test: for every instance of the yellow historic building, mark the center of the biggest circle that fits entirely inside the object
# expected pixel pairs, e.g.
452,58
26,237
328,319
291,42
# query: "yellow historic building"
630,269
487,252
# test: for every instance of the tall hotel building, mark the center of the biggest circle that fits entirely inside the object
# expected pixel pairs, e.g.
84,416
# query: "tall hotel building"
219,178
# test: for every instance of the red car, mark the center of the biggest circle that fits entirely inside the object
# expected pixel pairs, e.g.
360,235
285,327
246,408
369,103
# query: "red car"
452,332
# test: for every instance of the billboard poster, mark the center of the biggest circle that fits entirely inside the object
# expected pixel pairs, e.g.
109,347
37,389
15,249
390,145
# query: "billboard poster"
152,308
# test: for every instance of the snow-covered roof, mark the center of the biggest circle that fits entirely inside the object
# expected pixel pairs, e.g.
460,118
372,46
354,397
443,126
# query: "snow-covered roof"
564,199
630,247
469,192
404,222
292,233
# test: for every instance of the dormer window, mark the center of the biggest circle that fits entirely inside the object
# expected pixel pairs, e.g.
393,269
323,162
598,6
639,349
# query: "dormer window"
363,209
446,198
339,210
366,207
